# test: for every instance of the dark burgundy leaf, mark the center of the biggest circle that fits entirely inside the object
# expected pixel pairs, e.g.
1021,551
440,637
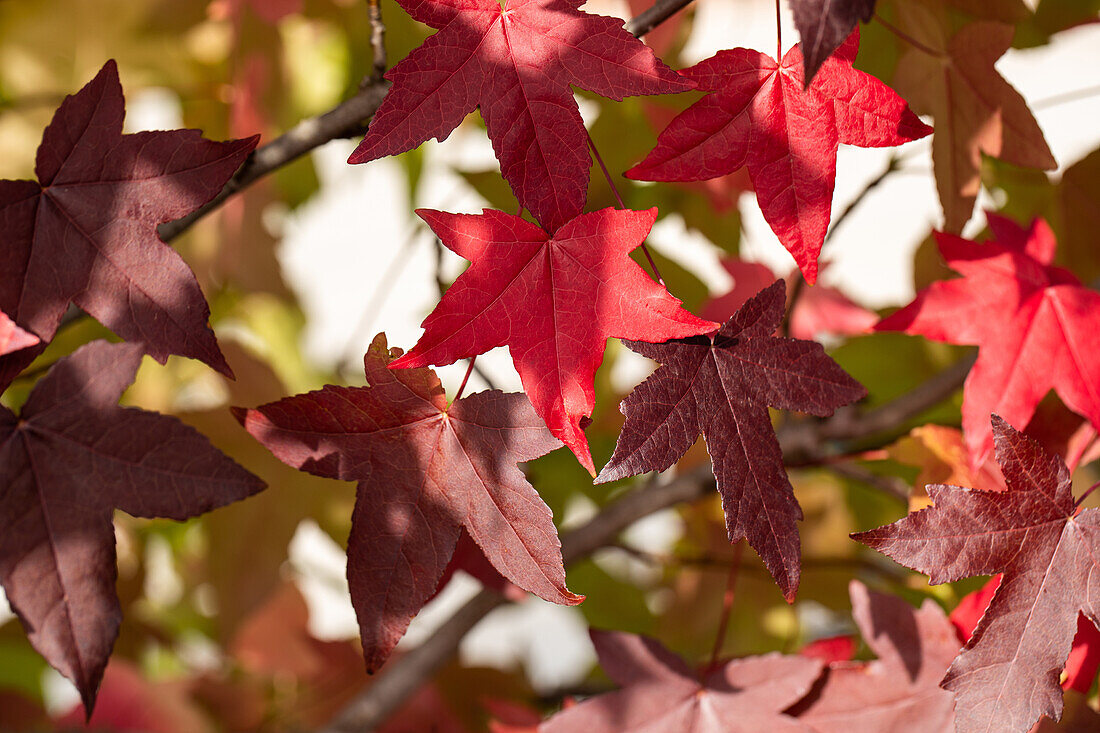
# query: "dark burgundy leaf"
824,25
66,463
86,230
721,385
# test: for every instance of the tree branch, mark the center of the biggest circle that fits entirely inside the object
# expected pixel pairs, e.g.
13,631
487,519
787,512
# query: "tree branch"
649,19
407,673
345,120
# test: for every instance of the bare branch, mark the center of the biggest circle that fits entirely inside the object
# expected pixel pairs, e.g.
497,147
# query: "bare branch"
345,120
661,11
406,674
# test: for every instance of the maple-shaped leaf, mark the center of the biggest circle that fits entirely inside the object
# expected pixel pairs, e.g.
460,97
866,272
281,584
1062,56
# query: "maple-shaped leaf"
86,230
67,462
824,25
721,385
660,692
975,110
516,61
758,115
425,470
900,689
554,300
1047,548
1035,326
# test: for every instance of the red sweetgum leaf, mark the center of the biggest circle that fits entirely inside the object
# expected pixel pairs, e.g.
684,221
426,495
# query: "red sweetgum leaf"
721,385
661,693
1084,656
900,689
1044,339
758,115
554,300
824,25
976,111
425,470
66,463
516,63
86,230
1007,675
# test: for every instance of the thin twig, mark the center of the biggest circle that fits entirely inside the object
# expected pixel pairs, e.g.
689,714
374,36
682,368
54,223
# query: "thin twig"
619,198
778,32
466,378
658,13
377,39
727,608
889,485
908,38
891,166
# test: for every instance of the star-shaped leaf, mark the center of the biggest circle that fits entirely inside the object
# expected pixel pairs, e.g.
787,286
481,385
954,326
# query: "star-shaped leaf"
1044,335
976,111
553,299
824,25
721,385
516,63
660,692
900,689
426,470
86,230
757,114
66,463
1047,547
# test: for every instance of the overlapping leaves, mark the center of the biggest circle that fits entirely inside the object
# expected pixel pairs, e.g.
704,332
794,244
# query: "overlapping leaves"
425,470
553,299
1045,545
516,63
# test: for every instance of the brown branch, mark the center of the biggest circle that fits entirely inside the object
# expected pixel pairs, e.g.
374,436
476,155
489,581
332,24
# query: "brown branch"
344,120
377,39
660,11
406,674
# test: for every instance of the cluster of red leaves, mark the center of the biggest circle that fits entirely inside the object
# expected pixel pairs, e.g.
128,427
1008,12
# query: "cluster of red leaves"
439,485
1045,545
1045,338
